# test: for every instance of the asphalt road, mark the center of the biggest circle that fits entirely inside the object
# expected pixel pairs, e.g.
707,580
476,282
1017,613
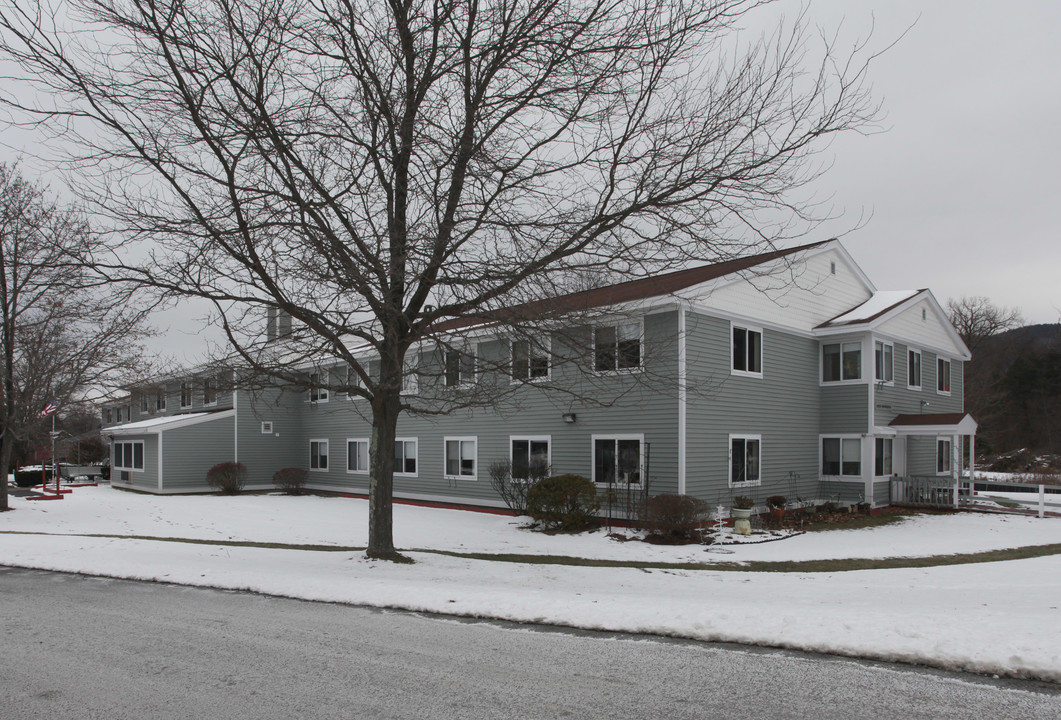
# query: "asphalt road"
78,647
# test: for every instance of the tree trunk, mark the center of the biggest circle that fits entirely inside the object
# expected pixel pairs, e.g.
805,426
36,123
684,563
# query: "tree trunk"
385,408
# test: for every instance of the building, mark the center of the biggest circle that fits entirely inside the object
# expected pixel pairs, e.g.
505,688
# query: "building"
782,373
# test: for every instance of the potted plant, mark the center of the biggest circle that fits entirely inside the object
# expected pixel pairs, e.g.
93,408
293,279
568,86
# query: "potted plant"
741,512
776,504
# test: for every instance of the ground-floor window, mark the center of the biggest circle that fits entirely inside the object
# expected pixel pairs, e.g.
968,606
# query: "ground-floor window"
617,459
405,456
530,456
318,454
744,460
943,455
882,457
357,455
842,456
129,455
460,457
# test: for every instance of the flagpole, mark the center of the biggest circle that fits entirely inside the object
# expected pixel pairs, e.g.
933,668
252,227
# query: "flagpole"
55,467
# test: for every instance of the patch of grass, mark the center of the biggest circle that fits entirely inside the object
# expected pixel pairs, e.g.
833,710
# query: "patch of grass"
851,521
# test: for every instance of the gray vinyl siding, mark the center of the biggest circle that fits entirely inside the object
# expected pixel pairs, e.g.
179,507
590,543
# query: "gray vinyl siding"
173,403
845,408
900,399
882,492
783,407
637,402
921,455
146,480
189,452
264,454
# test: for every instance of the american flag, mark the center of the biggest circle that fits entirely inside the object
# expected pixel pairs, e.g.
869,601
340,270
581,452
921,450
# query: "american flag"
49,409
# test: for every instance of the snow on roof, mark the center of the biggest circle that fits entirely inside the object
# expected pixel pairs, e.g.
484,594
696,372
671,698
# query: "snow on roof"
156,424
880,302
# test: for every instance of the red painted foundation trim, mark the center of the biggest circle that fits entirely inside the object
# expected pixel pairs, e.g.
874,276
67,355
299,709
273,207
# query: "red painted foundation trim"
45,497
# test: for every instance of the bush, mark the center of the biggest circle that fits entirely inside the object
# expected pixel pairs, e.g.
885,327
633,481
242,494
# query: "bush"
291,481
228,477
29,478
743,502
674,516
776,501
567,502
513,487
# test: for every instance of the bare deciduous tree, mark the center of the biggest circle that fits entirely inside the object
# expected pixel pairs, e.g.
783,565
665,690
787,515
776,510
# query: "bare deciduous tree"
61,333
377,169
977,318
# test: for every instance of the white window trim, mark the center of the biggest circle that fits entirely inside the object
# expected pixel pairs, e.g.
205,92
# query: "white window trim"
143,454
921,372
212,387
367,445
328,454
729,454
861,363
886,439
410,379
640,437
950,374
460,438
532,438
412,440
841,437
748,328
641,347
950,455
318,392
191,394
547,348
469,349
881,381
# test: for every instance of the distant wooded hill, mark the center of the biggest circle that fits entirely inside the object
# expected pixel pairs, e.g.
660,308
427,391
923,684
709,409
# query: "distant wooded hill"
1013,389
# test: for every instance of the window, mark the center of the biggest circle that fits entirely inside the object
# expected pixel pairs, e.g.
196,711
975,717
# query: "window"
529,362
882,457
744,460
842,456
108,415
913,369
530,456
318,387
357,456
318,454
143,402
160,399
841,362
129,455
883,362
617,347
405,456
460,367
186,394
267,427
460,457
410,377
747,351
943,376
617,459
209,391
943,455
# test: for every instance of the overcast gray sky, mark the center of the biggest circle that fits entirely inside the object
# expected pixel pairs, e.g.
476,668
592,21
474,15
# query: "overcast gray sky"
960,192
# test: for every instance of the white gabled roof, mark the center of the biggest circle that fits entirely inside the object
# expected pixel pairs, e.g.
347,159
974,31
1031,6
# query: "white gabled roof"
881,302
156,425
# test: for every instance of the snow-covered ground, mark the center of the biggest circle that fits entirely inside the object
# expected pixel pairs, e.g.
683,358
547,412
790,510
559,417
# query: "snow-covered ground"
1001,617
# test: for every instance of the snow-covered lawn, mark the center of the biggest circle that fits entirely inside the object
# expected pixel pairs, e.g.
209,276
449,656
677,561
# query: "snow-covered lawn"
1002,617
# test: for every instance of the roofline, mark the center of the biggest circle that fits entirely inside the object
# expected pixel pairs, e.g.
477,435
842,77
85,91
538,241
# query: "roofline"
178,421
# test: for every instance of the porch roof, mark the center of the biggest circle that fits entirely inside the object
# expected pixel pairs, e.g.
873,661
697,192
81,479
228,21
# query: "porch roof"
934,424
156,425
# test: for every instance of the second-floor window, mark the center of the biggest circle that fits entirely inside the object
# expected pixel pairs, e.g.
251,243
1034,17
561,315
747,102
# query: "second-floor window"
528,361
942,375
913,369
617,347
318,391
209,391
186,394
747,351
883,356
160,399
460,367
143,402
841,361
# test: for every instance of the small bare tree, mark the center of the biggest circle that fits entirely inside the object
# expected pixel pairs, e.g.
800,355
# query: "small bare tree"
382,171
61,332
